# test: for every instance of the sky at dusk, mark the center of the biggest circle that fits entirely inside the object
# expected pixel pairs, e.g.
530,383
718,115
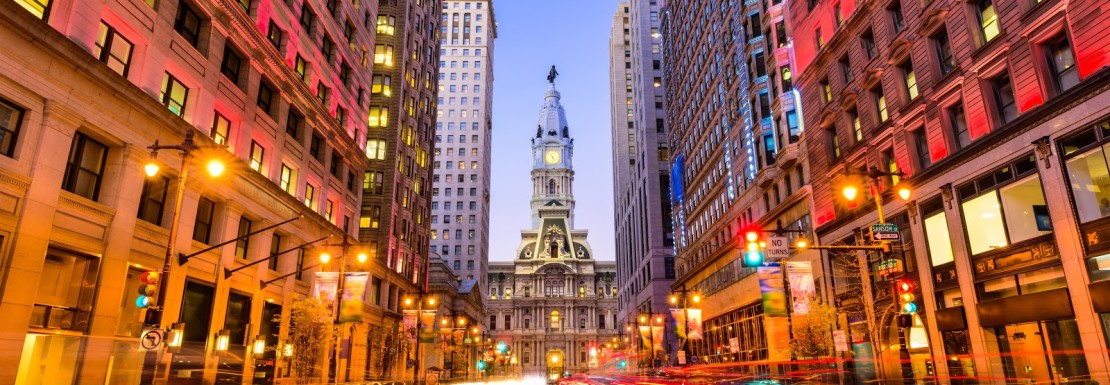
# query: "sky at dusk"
533,35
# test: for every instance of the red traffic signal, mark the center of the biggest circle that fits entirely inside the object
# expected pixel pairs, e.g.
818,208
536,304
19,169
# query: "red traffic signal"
904,289
751,235
904,285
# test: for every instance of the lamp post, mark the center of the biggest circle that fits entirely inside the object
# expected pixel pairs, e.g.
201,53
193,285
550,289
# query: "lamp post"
215,168
344,246
419,303
873,174
683,295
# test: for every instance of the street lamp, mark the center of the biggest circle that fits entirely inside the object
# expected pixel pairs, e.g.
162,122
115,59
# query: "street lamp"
419,303
325,257
185,149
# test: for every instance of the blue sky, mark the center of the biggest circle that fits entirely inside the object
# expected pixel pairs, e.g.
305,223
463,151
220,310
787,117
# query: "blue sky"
533,35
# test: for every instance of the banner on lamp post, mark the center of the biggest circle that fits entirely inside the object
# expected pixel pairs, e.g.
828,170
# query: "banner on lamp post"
427,326
324,287
354,290
408,325
774,295
645,336
657,338
802,289
694,322
679,316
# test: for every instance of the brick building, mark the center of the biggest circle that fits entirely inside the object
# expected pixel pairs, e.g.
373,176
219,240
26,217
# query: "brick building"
995,110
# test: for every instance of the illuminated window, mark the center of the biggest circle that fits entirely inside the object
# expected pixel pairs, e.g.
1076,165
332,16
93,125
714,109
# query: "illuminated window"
857,128
39,8
113,49
257,155
1006,208
936,232
386,25
834,143
375,149
221,127
827,90
286,179
300,66
310,196
174,94
787,80
381,84
880,104
383,54
243,242
988,20
379,117
909,80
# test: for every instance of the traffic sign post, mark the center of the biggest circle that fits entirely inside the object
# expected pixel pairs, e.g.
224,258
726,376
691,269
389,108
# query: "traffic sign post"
777,248
884,232
151,339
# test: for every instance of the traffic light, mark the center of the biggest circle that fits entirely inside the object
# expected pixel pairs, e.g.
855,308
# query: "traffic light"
481,365
622,364
904,289
753,248
501,347
147,289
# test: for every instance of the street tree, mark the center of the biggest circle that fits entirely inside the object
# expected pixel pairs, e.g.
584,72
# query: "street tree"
310,333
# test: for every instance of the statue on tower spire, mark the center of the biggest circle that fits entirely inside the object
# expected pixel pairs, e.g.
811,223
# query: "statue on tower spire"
551,75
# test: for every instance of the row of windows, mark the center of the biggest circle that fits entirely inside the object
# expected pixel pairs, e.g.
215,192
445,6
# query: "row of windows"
458,205
462,126
1062,75
451,165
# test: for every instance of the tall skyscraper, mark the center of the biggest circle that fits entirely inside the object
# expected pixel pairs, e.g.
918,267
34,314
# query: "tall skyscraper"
738,164
397,188
460,194
641,160
554,303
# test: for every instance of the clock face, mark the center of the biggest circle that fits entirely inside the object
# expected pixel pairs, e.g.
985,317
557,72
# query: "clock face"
551,157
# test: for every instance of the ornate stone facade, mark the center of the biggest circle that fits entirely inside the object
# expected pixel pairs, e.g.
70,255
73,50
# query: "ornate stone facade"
553,306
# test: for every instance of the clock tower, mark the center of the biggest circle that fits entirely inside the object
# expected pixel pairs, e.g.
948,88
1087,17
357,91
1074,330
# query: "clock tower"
552,150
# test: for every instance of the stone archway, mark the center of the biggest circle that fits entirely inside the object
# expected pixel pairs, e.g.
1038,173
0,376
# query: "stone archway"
555,361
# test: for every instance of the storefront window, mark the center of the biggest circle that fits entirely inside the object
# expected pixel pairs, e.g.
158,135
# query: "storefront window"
998,212
936,232
1088,171
1036,281
961,368
1041,351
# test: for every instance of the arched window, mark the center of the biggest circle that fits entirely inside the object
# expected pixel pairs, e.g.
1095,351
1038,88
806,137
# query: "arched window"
551,186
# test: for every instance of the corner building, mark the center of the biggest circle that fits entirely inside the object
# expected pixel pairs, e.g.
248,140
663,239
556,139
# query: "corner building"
997,111
641,159
277,90
738,163
554,303
464,136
